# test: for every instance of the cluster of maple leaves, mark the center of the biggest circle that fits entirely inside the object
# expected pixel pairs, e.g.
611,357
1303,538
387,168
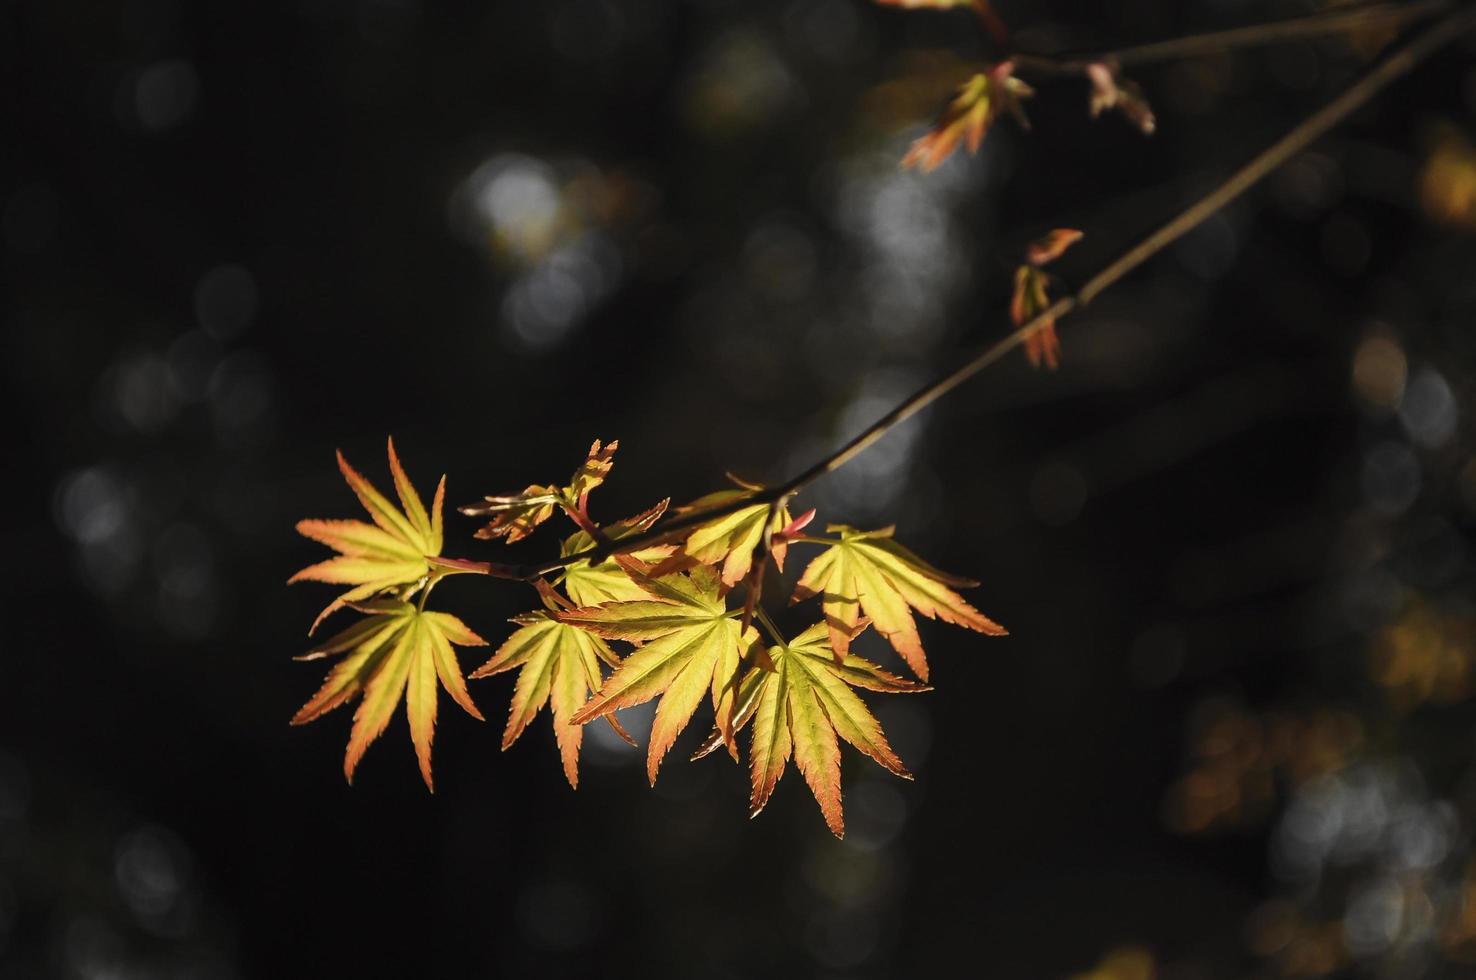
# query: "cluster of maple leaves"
670,603
668,598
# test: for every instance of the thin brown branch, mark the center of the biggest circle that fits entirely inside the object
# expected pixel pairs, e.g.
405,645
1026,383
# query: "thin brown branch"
1338,20
1391,67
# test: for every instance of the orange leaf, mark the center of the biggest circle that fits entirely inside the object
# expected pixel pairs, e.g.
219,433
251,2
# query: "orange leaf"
866,571
559,665
802,707
393,551
397,651
968,117
1042,346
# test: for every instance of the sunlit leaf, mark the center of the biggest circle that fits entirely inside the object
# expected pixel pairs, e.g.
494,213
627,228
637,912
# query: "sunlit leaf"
799,709
731,540
594,469
691,645
515,516
391,552
607,581
968,117
1031,298
397,651
867,572
1050,246
560,665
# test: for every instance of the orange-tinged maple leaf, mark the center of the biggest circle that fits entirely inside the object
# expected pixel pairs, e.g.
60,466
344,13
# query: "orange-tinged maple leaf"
731,540
868,572
393,551
691,644
1031,298
397,651
515,516
594,469
560,665
800,707
968,117
1051,245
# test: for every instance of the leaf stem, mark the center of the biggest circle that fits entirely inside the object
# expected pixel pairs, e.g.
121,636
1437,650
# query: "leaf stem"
762,616
1388,69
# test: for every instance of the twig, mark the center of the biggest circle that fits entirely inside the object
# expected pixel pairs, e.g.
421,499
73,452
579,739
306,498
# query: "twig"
768,625
1392,66
1338,20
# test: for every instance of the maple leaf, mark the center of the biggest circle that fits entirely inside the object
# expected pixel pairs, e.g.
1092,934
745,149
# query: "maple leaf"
393,551
1111,91
1031,298
691,644
732,539
800,707
982,8
398,650
1050,246
593,470
515,516
868,572
560,664
968,117
607,581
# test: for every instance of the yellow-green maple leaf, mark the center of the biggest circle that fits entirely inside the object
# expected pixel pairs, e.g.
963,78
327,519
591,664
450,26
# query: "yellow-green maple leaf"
516,516
731,539
868,572
397,651
970,114
691,644
373,557
560,664
1031,298
800,707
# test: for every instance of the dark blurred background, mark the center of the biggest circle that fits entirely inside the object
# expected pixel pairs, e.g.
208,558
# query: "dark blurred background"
1230,734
